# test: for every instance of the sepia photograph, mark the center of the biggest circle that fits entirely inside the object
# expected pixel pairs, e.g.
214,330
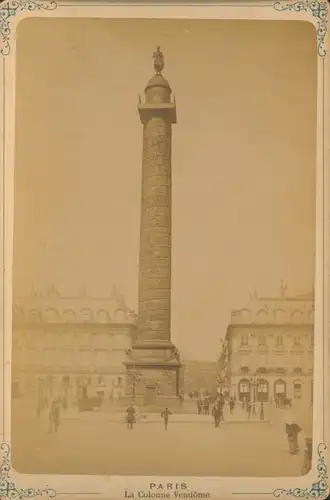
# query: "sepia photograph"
164,247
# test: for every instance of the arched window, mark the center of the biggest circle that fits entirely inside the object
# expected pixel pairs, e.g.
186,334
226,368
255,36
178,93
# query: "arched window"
244,389
262,390
279,387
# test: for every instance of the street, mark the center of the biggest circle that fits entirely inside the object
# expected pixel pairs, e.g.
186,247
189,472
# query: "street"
92,446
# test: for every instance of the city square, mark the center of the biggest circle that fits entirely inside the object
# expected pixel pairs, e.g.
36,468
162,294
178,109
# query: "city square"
186,353
101,444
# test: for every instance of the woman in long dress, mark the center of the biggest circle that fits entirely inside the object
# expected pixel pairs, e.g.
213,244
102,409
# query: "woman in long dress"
292,431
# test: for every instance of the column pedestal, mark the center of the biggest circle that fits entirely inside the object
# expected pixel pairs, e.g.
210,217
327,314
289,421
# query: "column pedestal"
153,375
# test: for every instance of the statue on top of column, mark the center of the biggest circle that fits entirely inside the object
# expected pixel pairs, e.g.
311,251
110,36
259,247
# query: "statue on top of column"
158,58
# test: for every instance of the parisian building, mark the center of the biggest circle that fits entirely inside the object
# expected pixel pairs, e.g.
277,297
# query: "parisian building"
271,349
61,344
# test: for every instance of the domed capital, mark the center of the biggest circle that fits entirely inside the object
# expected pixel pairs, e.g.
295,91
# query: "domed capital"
158,90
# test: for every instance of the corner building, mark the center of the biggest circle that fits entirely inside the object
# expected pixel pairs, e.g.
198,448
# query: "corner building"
271,349
63,343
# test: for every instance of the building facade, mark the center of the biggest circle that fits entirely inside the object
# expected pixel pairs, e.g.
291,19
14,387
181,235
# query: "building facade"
271,349
60,344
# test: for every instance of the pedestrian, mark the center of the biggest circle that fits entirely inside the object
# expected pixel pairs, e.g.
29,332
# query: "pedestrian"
249,408
206,406
181,397
216,413
292,431
221,406
199,406
130,417
307,464
231,405
165,415
54,416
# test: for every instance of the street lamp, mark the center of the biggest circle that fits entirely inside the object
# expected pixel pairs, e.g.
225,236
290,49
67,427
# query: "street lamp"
262,413
254,381
135,377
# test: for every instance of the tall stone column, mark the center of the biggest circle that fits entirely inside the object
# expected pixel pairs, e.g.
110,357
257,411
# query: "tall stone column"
153,366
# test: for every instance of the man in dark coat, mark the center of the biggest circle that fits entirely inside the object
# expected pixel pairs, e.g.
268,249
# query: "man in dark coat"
231,404
165,416
216,413
206,405
54,416
130,417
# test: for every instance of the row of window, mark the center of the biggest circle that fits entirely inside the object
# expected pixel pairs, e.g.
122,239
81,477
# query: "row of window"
67,357
275,369
274,359
101,339
262,387
263,341
50,382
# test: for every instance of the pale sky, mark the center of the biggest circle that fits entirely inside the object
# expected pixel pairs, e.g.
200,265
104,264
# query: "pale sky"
243,162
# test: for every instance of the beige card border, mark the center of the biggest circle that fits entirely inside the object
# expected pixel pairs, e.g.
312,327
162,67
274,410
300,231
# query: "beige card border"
315,485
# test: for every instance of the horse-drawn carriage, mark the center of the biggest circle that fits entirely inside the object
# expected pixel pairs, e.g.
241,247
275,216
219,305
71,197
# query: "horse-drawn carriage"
282,401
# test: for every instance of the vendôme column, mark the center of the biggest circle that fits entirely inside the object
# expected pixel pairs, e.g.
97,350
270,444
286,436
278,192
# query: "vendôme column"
153,367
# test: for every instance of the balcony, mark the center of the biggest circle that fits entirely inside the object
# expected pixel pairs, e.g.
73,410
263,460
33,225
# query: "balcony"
244,369
262,347
280,347
280,370
262,369
244,347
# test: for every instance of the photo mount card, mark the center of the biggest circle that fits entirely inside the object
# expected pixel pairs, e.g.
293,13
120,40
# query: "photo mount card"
165,250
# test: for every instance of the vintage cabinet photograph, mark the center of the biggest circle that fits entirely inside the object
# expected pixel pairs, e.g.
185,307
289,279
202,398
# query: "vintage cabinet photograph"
164,247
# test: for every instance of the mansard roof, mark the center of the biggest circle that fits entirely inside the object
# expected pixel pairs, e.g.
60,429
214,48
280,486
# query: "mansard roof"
51,307
284,309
